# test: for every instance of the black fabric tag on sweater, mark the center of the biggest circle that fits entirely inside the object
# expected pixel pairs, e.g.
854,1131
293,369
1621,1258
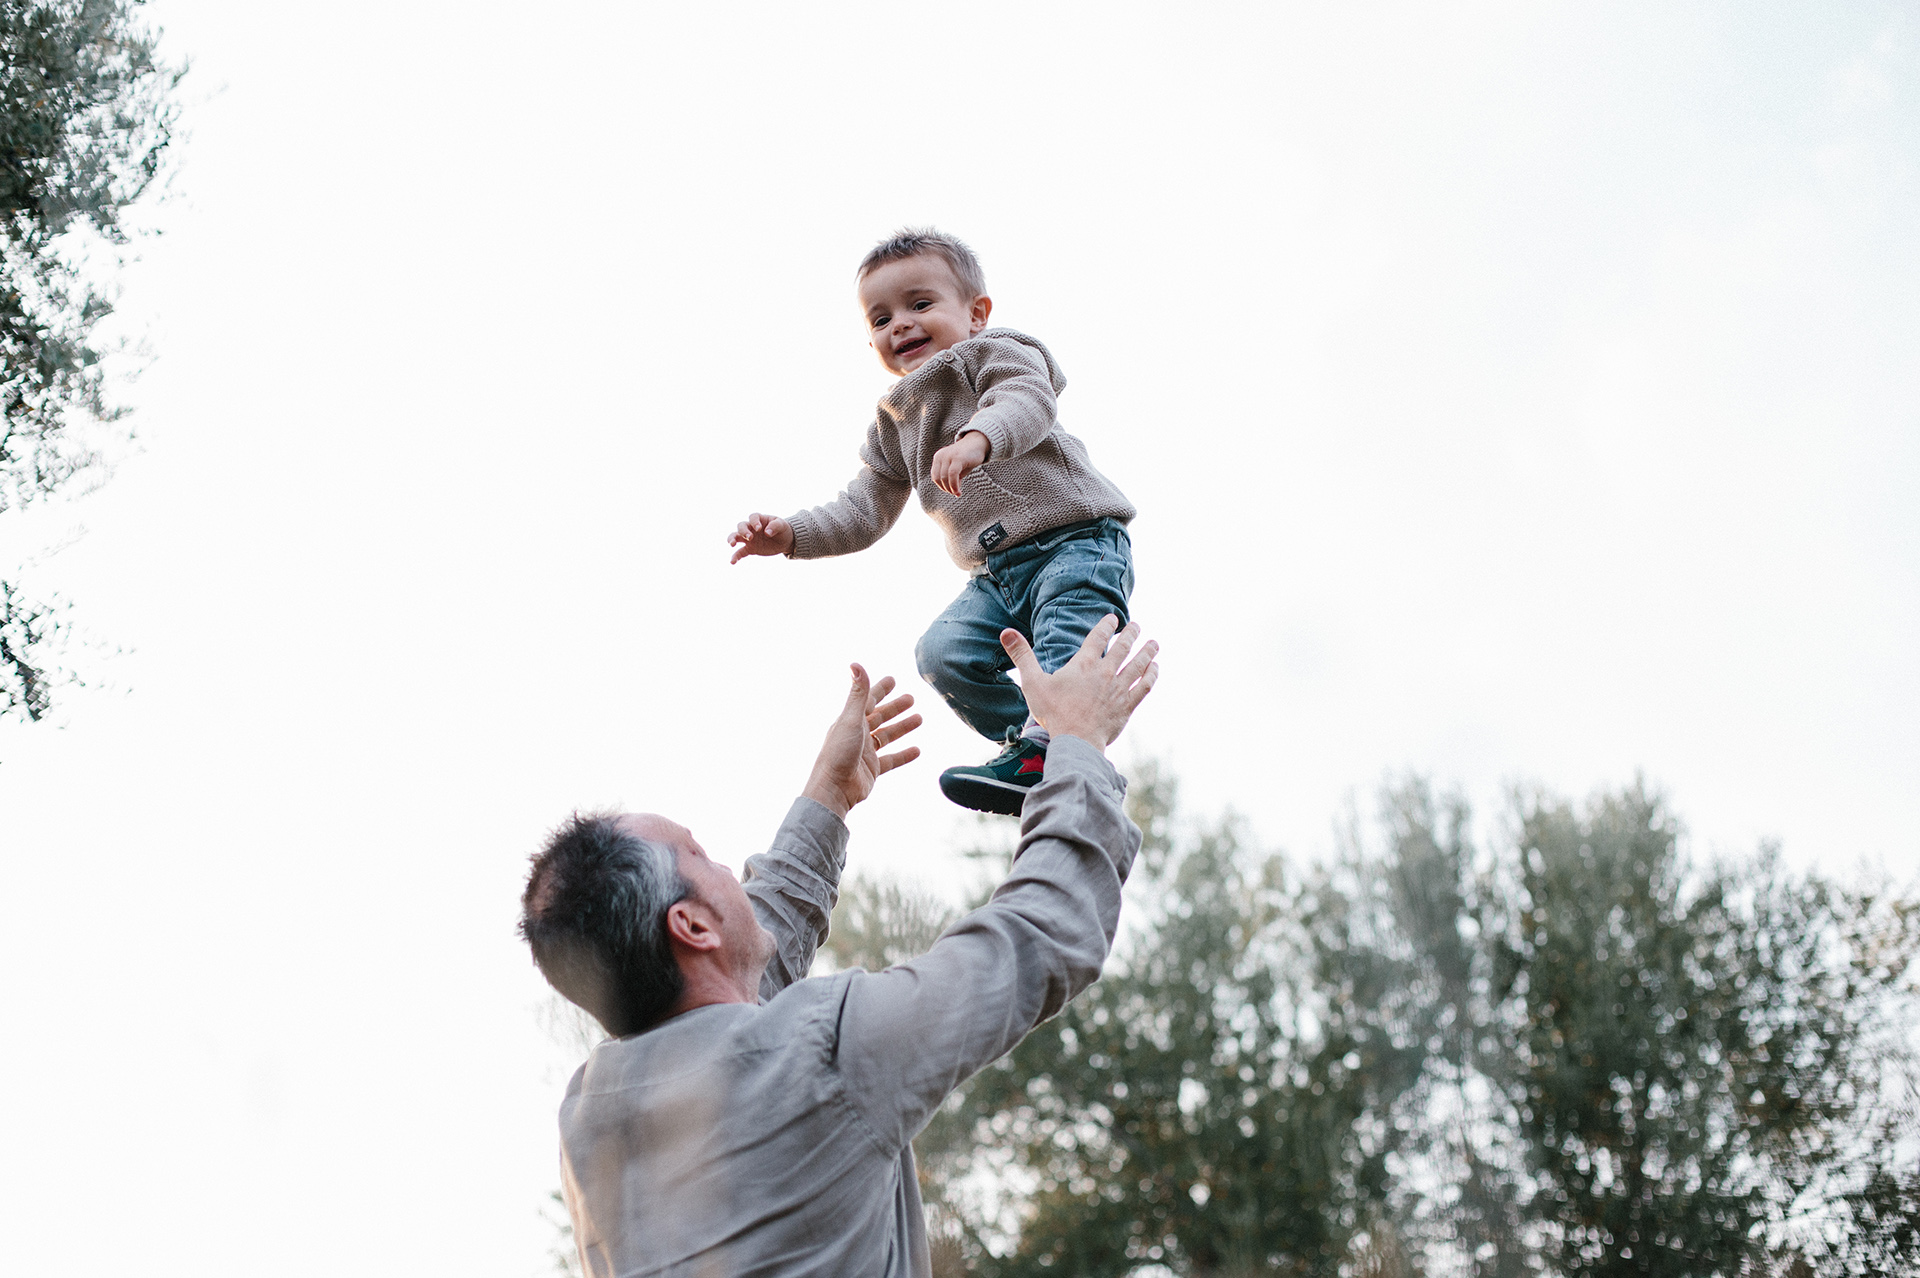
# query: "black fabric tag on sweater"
993,537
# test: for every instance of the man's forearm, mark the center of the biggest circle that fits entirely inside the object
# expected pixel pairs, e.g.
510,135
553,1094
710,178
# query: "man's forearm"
912,1033
793,887
827,795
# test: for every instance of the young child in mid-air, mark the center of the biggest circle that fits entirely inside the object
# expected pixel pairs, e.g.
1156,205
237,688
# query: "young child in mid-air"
971,428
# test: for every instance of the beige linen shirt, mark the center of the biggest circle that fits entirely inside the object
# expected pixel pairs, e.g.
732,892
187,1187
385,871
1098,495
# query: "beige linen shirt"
742,1140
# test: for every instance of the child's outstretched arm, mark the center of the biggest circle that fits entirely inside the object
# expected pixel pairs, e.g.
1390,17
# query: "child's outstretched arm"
854,520
760,534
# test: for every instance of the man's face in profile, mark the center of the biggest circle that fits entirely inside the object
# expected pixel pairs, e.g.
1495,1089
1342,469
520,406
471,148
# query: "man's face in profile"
743,940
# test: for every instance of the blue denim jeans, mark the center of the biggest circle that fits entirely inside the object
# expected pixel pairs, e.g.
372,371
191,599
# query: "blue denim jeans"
1053,589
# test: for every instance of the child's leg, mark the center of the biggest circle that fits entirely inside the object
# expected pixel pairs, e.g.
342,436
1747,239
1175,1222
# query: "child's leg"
1053,594
961,656
1084,581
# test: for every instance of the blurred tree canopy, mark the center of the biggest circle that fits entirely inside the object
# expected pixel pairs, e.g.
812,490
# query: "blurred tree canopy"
86,114
1574,1053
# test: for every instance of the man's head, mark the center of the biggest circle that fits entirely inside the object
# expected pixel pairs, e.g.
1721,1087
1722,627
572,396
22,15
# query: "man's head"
628,917
921,292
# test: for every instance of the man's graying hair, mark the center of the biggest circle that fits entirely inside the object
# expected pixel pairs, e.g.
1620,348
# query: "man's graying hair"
911,241
595,916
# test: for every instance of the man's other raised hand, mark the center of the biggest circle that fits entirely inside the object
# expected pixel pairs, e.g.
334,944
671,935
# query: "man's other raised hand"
1094,694
760,534
850,761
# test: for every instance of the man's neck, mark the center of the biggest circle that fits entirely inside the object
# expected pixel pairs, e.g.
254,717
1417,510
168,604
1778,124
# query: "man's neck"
707,983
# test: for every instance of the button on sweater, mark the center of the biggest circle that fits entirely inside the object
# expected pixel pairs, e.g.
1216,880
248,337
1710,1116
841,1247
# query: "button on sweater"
1005,385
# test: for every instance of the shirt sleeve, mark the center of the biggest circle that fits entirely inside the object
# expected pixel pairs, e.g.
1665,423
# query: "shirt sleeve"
1018,407
862,513
911,1034
793,886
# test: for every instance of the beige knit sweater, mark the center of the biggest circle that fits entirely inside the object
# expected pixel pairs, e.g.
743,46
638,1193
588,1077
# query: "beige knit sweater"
1002,384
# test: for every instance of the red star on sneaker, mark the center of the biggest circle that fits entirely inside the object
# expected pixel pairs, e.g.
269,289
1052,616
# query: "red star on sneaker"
1038,763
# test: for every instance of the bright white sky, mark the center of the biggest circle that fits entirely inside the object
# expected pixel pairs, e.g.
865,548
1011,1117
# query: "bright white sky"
1510,393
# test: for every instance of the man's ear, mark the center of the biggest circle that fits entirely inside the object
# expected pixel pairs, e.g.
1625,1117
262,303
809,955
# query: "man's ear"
977,318
692,926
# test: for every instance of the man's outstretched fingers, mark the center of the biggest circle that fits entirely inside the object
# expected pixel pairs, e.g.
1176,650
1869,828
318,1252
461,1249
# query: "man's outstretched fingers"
888,762
1137,668
1139,679
857,693
1096,641
1138,692
887,733
1120,644
1022,653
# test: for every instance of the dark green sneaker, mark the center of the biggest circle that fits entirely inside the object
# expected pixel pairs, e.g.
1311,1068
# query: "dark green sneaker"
1000,786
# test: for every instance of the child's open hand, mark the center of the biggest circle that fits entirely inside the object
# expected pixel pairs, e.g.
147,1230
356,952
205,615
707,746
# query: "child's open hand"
760,534
952,464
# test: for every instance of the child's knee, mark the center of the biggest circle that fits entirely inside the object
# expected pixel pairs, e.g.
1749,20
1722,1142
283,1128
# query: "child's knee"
936,655
1064,626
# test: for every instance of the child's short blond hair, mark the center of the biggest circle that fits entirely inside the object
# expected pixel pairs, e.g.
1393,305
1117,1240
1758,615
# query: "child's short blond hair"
911,241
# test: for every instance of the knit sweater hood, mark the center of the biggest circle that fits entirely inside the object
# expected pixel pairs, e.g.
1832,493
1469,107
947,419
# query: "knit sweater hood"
1005,385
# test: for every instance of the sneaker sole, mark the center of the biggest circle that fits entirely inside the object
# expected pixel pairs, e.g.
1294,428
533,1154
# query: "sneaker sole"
984,794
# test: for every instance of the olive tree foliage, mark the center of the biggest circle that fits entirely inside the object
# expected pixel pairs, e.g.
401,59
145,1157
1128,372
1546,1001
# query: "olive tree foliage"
87,111
1701,1061
1572,1051
1649,1066
1221,1101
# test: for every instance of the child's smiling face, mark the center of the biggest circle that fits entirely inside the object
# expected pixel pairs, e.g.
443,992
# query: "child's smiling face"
915,309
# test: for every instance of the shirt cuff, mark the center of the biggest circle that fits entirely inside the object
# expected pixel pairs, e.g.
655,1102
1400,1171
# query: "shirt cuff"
1082,758
815,837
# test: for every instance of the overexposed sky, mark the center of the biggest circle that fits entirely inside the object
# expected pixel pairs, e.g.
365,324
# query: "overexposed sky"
1509,392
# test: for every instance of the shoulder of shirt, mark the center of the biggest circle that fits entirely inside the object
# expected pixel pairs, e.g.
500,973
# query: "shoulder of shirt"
687,1043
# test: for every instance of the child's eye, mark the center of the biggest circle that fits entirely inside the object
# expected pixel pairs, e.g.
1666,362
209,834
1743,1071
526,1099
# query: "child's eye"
880,321
922,304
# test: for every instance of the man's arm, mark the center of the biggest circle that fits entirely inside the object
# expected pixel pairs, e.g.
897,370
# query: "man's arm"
794,884
911,1034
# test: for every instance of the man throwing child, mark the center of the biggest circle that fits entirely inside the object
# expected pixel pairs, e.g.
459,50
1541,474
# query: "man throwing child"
746,1121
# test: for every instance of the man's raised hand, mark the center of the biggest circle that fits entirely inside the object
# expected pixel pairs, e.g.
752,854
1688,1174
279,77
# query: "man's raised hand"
760,534
850,761
1093,695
